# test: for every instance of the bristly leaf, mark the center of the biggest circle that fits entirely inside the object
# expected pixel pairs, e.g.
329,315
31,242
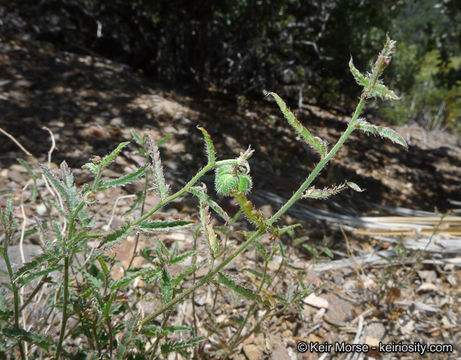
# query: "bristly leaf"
127,338
166,288
41,341
74,197
117,284
202,195
106,160
208,231
182,257
383,61
190,269
358,76
213,241
136,137
382,131
325,193
53,255
163,225
354,186
92,167
252,214
250,295
58,184
116,236
28,168
180,346
209,146
314,193
379,90
316,143
124,180
164,139
162,188
92,280
24,280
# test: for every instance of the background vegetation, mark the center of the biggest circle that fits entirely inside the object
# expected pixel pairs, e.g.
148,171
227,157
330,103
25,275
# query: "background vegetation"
245,46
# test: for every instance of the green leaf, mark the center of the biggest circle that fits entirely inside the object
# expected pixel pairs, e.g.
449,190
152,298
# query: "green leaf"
43,342
189,270
28,168
316,143
93,280
116,236
178,328
164,140
106,160
74,197
287,229
136,137
58,184
182,257
127,338
181,345
354,186
24,280
261,250
312,250
250,295
328,252
202,195
164,225
103,264
382,131
162,249
162,188
254,272
59,209
208,231
108,305
166,288
252,214
117,284
379,90
57,231
324,193
124,180
358,76
92,167
213,241
37,261
209,146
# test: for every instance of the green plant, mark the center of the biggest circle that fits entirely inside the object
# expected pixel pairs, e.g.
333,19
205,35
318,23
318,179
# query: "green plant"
103,310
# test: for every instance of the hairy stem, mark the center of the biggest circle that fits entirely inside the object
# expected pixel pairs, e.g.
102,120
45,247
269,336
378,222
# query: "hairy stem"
319,166
64,309
15,296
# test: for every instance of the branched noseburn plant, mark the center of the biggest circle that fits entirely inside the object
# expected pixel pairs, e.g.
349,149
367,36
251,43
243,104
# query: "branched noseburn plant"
104,312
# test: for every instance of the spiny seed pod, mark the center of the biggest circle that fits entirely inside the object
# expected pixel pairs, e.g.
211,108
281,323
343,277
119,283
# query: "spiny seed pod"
228,178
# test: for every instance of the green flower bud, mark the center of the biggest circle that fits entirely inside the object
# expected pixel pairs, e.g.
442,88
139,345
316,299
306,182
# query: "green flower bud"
229,178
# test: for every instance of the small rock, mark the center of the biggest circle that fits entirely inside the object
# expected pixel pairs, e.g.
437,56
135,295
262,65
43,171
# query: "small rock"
41,209
427,287
252,352
117,121
339,310
374,330
316,301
